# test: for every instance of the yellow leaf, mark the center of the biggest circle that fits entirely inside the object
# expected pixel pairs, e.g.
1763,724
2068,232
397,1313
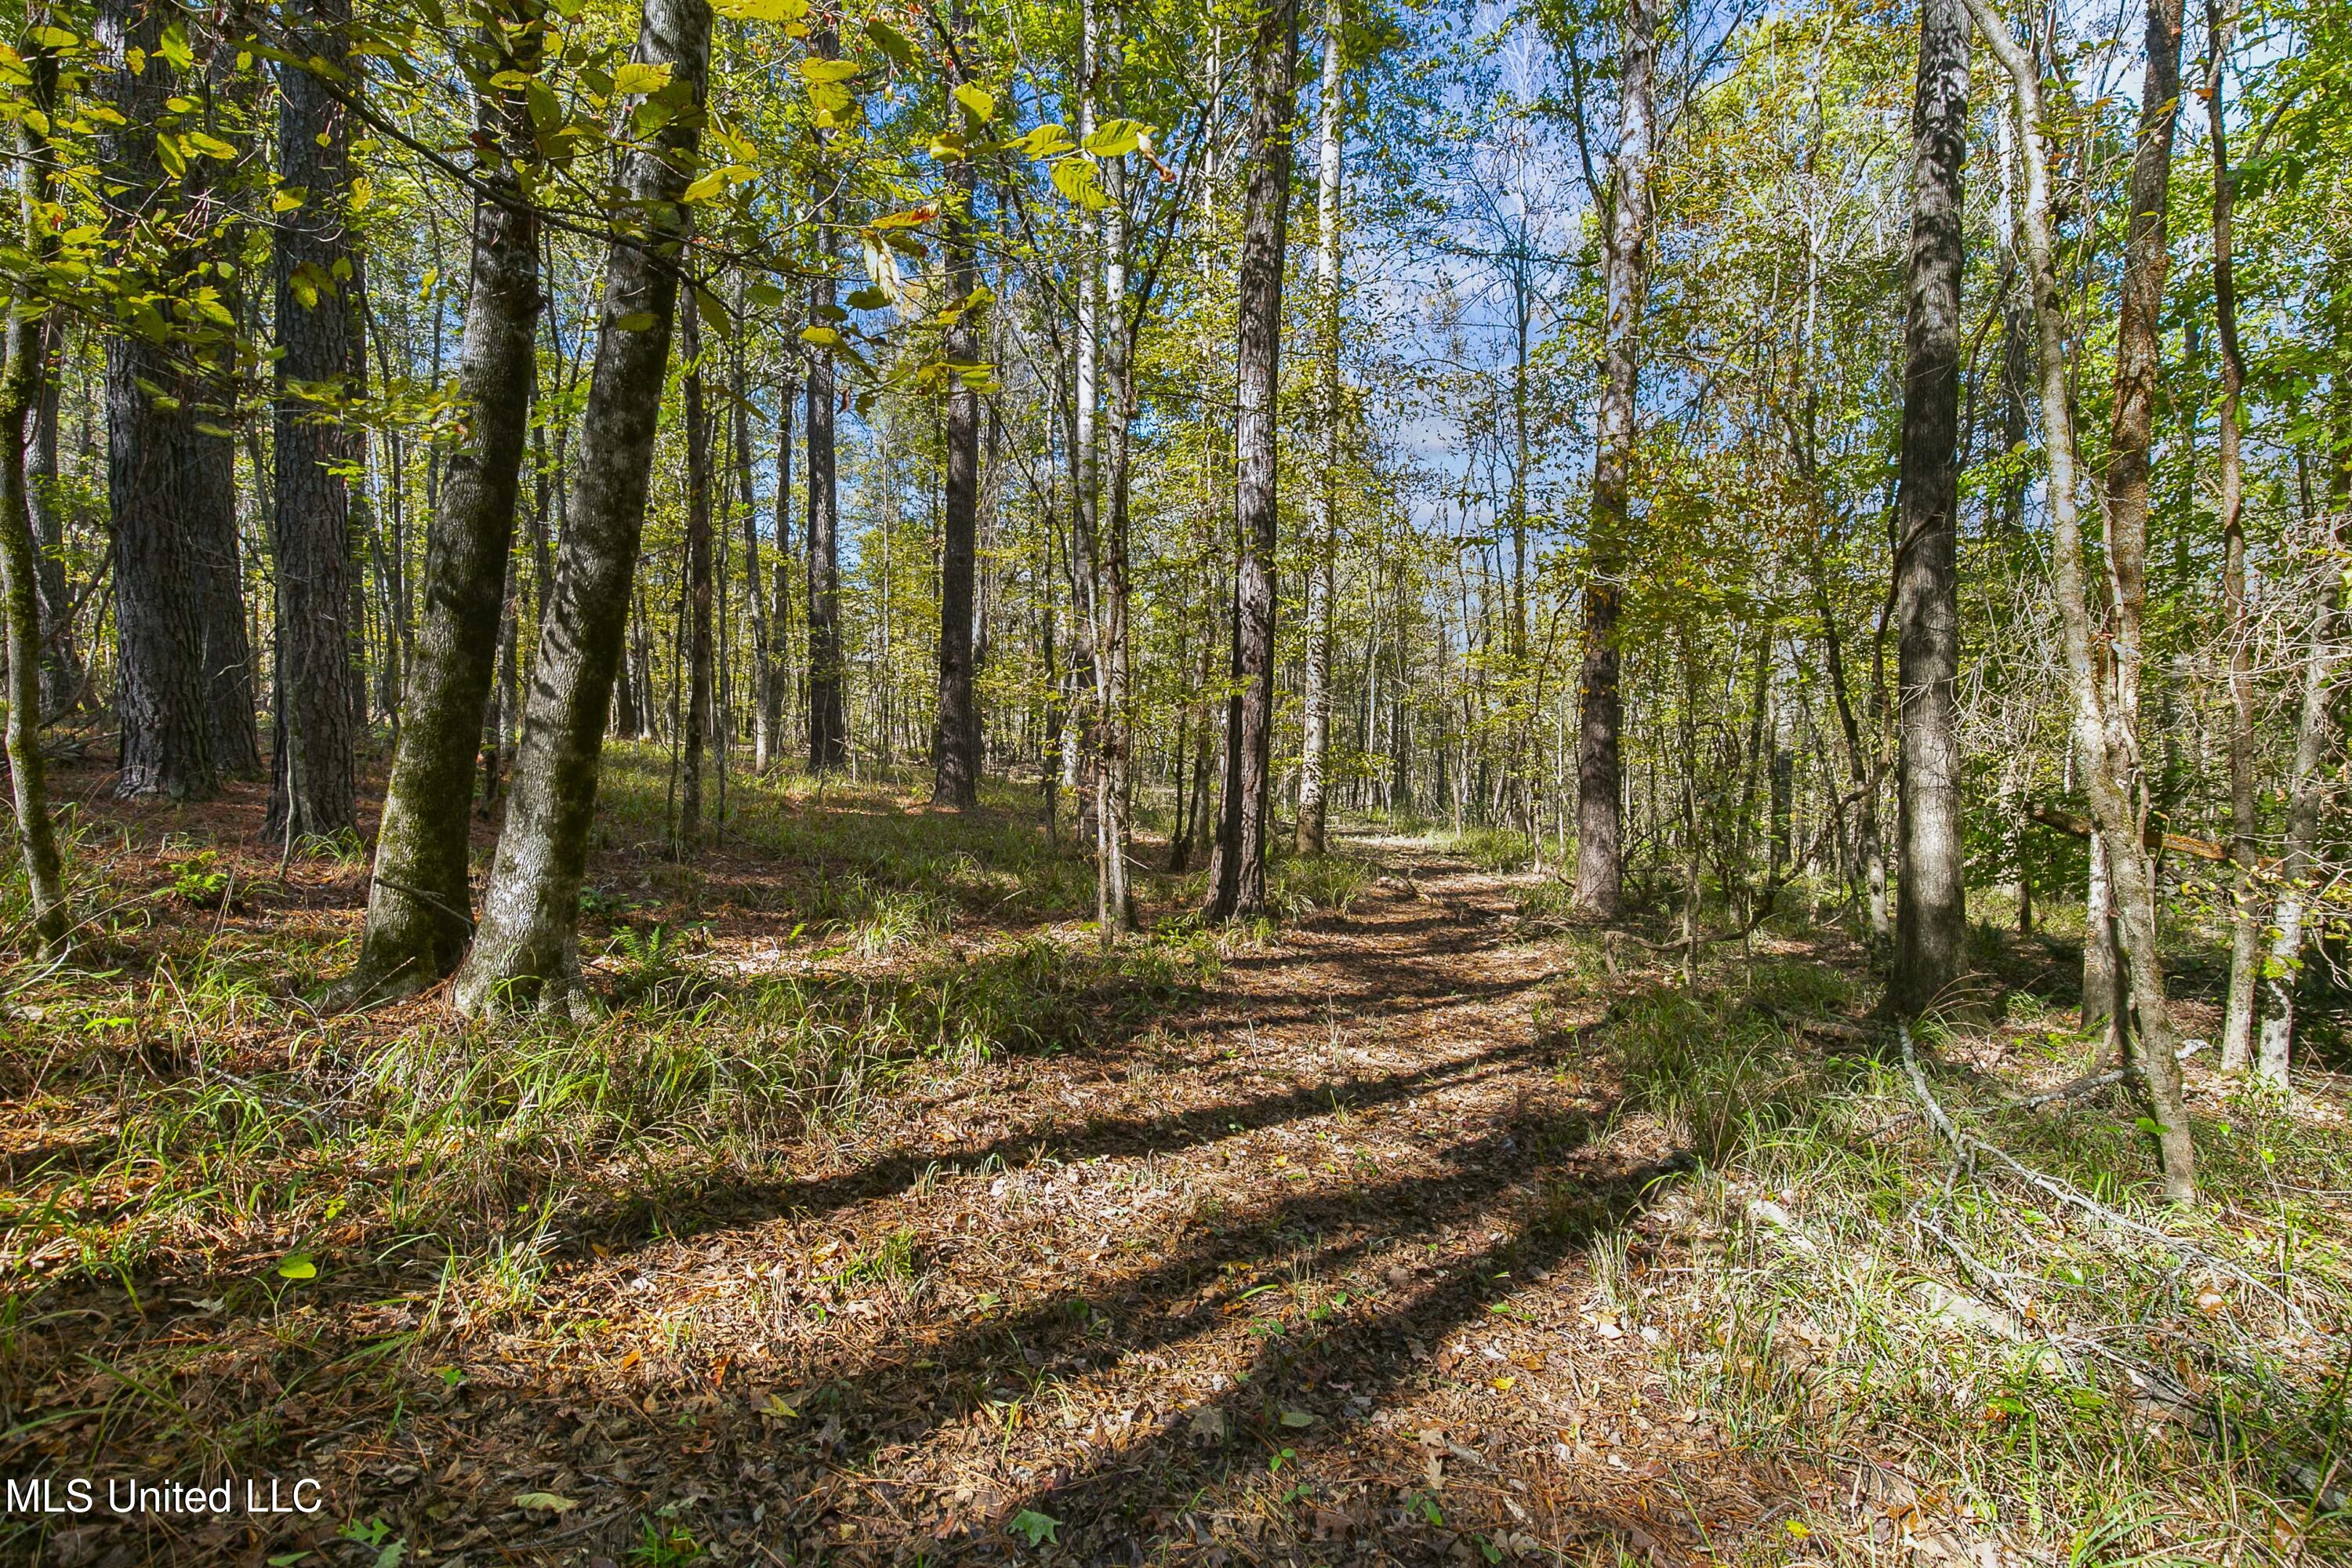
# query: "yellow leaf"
545,1502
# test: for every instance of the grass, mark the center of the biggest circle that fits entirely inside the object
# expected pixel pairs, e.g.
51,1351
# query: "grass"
2061,1385
229,1209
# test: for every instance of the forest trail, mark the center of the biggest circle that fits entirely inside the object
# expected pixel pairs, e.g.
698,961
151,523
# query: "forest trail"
1299,1270
1295,1269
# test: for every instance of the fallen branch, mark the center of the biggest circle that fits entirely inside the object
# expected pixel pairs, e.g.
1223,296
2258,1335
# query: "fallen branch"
1968,1146
2178,843
2081,1086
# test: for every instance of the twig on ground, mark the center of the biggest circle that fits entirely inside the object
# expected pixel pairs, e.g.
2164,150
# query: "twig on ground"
2072,1196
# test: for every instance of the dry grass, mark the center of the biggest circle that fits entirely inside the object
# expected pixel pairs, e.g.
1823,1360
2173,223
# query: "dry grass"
885,1219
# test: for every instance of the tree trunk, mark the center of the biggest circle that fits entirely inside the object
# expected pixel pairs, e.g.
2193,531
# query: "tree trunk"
955,760
2245,931
64,676
699,677
1931,909
313,792
419,897
162,493
780,597
829,722
527,947
763,629
2105,737
23,391
1115,730
1600,809
2306,795
1315,749
1237,878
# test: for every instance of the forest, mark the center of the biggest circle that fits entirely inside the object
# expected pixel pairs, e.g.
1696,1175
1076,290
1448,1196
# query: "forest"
1229,782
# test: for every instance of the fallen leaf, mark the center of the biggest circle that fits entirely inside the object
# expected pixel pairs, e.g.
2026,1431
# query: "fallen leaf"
545,1502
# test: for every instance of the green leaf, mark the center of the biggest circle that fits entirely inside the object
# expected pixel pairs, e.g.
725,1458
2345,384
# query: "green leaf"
828,71
2151,1126
636,322
1036,1527
977,101
1079,183
891,42
820,337
868,299
1044,141
766,296
297,1266
639,76
1115,138
1296,1419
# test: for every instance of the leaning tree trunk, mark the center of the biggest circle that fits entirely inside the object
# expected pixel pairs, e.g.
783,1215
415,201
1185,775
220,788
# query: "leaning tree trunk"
2245,931
955,763
1237,879
419,897
1931,900
312,788
22,390
1599,799
527,948
2101,729
1316,718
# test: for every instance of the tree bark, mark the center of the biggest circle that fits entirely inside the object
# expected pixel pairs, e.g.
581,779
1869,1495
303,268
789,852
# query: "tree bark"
829,722
780,597
64,676
700,729
419,897
163,490
763,629
1315,722
2307,794
527,947
1600,801
1115,728
1237,877
1931,897
2245,931
313,792
955,758
23,391
2106,740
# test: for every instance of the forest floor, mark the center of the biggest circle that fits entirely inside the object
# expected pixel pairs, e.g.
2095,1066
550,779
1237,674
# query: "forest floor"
885,1219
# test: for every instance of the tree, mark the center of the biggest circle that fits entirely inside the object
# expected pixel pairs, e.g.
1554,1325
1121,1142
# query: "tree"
1931,897
829,722
312,787
1237,876
419,895
955,739
170,473
23,377
526,948
1600,798
1317,723
2102,730
700,673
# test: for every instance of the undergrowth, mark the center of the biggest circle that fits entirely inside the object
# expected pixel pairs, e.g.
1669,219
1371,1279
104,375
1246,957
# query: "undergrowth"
2058,1383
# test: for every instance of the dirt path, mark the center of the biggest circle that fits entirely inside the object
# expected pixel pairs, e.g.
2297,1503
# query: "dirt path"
1299,1272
